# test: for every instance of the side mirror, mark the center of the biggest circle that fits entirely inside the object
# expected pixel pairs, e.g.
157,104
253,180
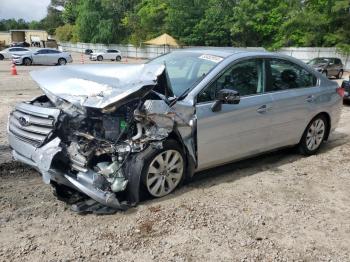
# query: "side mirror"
225,96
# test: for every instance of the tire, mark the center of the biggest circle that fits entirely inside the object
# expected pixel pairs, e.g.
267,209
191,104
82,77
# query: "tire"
313,136
2,57
27,61
62,61
118,58
340,74
159,181
99,58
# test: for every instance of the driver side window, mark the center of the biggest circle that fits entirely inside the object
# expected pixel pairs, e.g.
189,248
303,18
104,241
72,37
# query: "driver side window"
246,77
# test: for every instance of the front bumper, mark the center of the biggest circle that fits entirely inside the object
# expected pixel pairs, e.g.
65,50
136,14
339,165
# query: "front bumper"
41,154
17,61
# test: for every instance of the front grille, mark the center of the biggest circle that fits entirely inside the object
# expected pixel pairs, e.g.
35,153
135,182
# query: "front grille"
33,124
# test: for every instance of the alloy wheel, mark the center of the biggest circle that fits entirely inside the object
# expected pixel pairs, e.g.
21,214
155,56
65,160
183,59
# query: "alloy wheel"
315,134
165,173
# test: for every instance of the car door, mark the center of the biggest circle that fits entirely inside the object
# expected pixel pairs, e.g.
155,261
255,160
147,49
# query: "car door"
331,67
52,57
237,130
338,66
293,90
40,57
108,55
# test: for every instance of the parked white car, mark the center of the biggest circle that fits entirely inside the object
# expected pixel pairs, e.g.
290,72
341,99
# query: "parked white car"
8,52
111,54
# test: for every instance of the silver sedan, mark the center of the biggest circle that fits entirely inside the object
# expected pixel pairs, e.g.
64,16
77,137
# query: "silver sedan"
119,132
43,56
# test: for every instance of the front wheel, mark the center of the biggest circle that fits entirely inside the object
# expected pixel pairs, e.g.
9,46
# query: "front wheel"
118,58
62,61
27,61
313,136
1,57
164,169
99,58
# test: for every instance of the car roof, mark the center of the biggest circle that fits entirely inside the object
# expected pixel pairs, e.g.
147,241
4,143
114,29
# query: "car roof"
223,51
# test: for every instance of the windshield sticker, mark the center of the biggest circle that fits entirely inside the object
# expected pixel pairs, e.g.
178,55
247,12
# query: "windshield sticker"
213,58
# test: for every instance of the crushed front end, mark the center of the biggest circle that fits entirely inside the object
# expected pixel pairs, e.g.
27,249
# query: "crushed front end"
93,144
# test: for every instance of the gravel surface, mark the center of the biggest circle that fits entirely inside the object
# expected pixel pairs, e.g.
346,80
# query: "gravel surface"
276,207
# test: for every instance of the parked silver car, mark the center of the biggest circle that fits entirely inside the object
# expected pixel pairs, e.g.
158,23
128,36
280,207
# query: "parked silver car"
43,56
113,133
9,52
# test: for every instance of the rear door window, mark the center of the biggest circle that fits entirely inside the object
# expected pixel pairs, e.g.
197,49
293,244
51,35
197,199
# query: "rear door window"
285,75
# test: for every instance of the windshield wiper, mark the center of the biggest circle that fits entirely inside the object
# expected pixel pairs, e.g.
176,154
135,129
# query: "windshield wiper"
187,90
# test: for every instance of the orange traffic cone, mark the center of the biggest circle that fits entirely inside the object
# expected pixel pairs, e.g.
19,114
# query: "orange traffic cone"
13,69
82,59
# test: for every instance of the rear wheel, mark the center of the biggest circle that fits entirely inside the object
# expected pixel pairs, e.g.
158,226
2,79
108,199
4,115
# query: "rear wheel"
99,58
164,169
340,74
313,136
62,61
27,61
118,58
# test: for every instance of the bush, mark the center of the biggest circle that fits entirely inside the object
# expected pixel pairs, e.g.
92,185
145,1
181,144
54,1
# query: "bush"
66,33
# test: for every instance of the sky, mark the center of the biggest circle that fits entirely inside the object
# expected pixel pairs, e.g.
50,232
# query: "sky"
26,9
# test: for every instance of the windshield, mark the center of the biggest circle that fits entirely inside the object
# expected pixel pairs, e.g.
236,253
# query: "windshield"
319,61
186,68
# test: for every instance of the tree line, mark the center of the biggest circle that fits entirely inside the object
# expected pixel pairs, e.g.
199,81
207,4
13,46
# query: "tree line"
268,23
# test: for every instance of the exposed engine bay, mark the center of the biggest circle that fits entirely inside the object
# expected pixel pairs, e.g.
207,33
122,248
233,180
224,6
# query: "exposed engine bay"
96,149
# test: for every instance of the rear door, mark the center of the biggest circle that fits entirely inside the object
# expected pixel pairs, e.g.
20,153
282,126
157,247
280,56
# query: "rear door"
40,57
294,91
52,56
237,130
109,54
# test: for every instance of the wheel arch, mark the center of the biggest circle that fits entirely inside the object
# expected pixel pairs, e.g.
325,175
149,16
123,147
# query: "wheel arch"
329,123
27,57
190,164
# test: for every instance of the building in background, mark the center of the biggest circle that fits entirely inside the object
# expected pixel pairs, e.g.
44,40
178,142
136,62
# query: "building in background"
33,37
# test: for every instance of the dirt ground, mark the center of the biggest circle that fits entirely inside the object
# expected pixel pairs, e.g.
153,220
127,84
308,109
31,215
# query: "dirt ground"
276,207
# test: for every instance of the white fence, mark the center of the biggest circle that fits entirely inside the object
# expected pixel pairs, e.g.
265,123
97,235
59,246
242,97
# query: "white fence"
145,52
303,53
307,53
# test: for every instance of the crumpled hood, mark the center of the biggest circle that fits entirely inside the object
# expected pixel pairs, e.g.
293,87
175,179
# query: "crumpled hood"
96,86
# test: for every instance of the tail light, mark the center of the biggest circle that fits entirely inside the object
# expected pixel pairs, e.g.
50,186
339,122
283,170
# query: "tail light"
340,91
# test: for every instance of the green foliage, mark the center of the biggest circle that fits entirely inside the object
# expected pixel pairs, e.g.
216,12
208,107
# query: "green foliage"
147,22
66,33
8,24
269,23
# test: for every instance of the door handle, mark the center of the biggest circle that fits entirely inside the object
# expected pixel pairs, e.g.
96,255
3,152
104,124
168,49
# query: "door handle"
262,109
310,99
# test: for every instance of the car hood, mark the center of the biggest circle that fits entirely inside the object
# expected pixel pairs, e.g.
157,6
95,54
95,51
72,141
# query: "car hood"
98,86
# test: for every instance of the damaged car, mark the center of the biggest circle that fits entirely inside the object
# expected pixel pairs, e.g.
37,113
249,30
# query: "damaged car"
106,136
